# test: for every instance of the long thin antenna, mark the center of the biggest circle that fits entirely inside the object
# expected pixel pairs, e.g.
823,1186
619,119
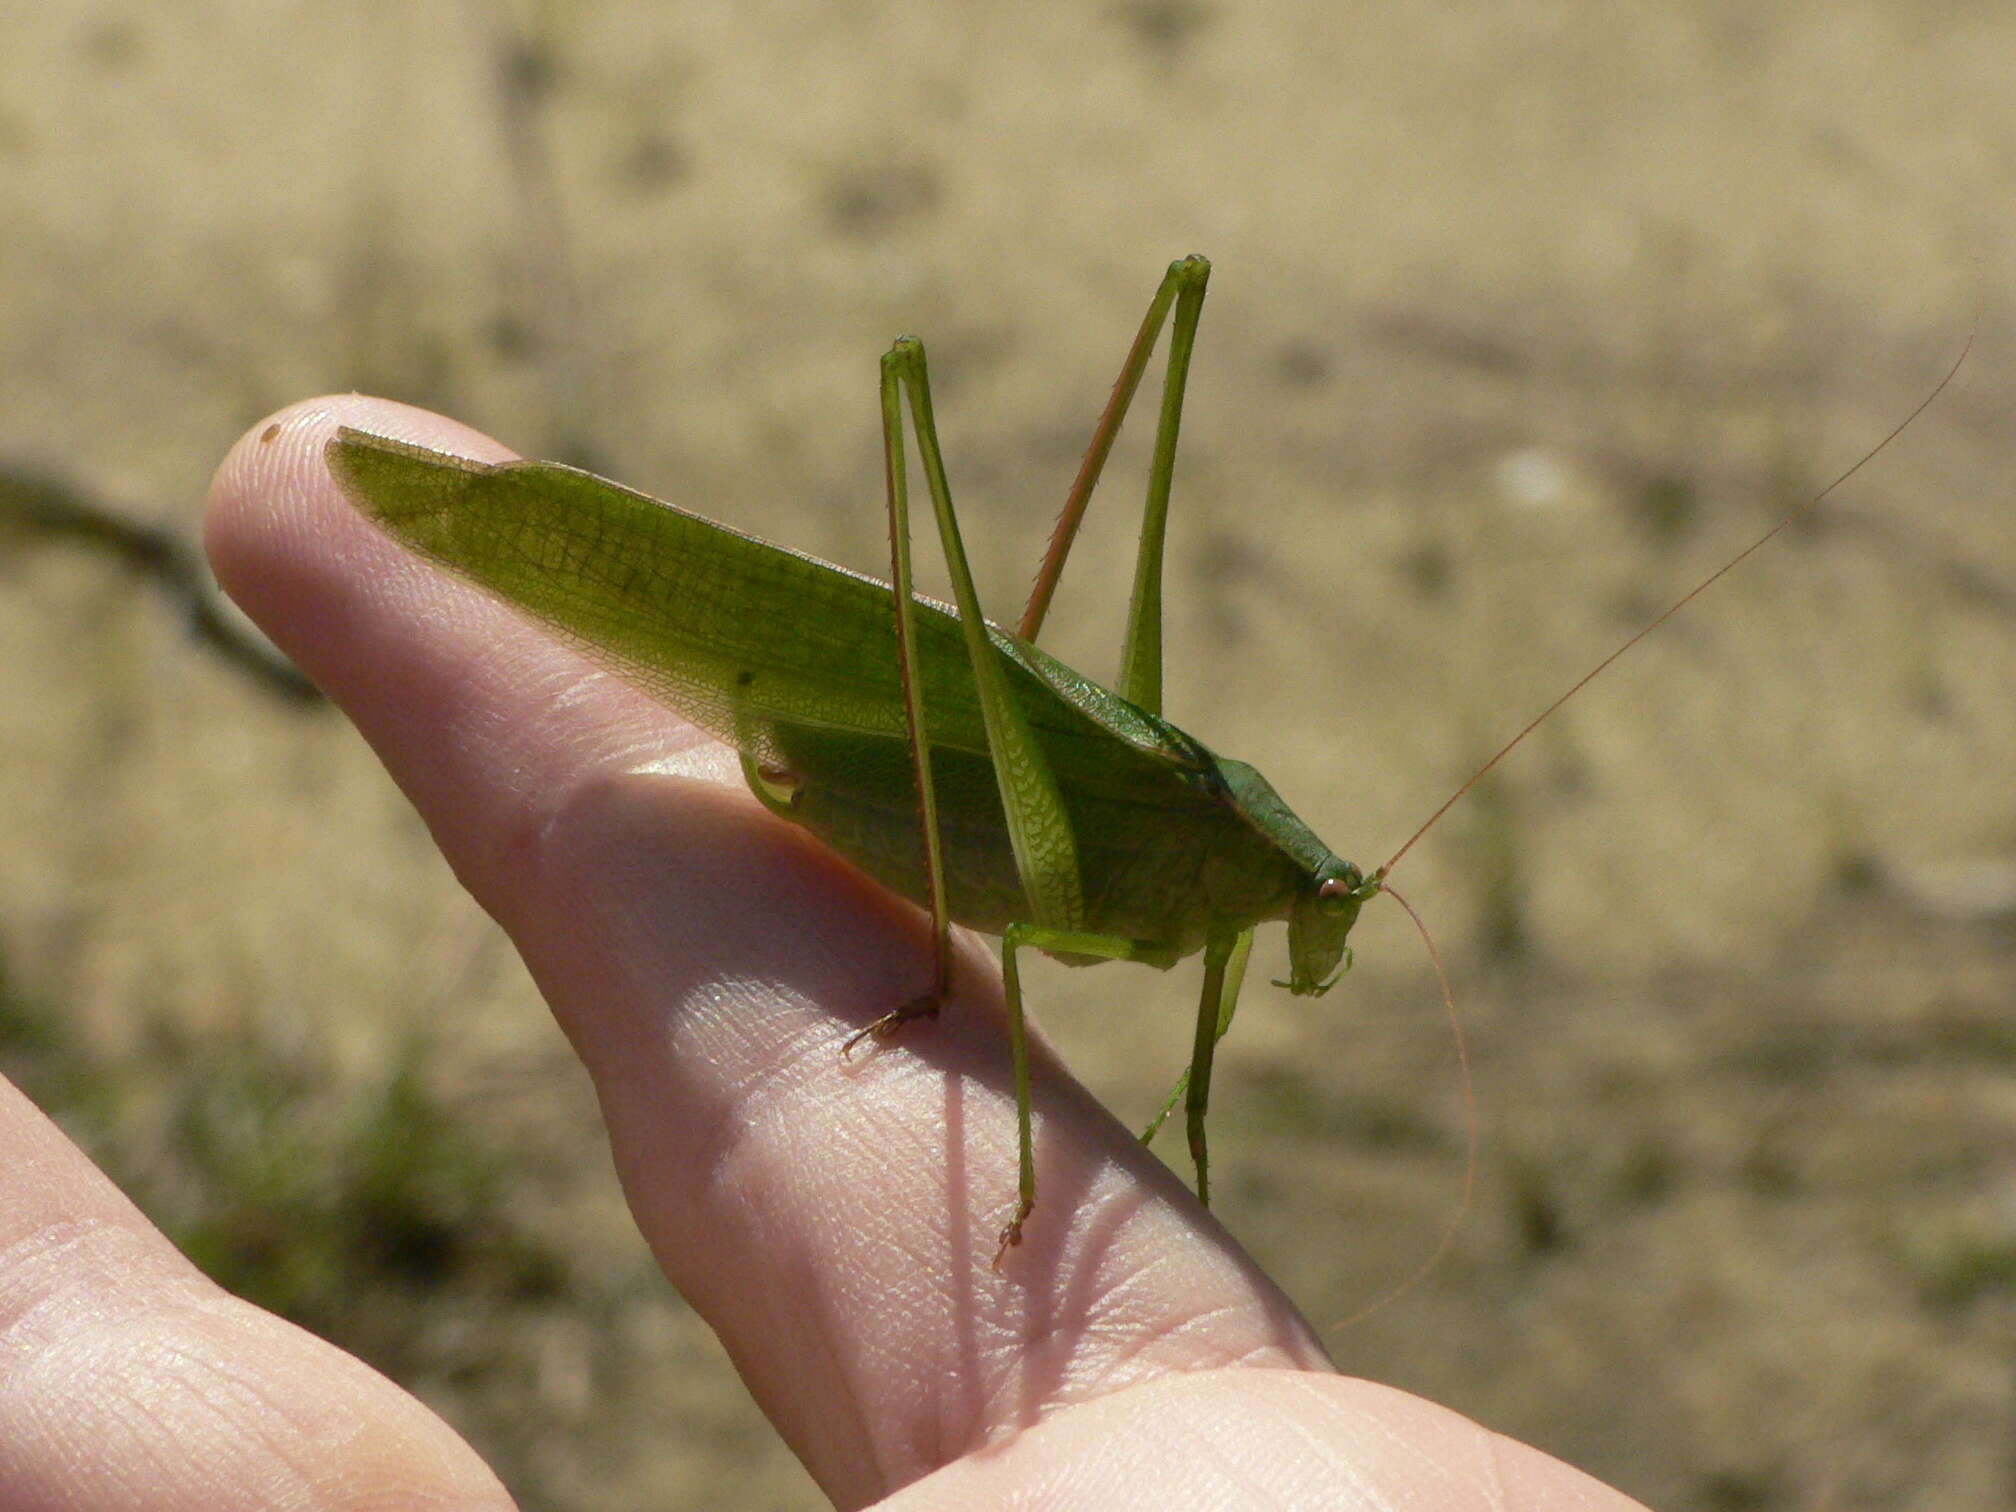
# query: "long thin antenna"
1456,1220
1681,603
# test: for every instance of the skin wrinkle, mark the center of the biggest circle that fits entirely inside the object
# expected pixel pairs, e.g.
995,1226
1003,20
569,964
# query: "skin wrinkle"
1162,1342
1385,1430
1237,1476
932,1422
1150,1359
1020,1358
1229,1471
769,1140
290,1420
1204,1327
1087,1373
1327,1460
160,1398
930,1426
1122,1316
876,1450
796,1319
127,1383
1323,1454
935,1437
749,1108
765,1023
86,1279
1450,1473
27,1265
1055,1322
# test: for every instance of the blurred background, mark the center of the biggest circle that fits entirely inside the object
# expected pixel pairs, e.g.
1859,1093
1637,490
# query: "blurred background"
1526,315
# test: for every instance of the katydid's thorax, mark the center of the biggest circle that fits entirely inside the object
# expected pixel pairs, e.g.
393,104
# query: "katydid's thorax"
1284,854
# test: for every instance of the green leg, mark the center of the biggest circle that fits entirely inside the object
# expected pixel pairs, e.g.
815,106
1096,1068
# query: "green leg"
1025,1139
1224,972
1039,829
898,493
1073,942
1141,656
1197,1096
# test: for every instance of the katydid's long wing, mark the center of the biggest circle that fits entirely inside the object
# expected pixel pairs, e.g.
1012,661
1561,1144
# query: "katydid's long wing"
794,661
738,635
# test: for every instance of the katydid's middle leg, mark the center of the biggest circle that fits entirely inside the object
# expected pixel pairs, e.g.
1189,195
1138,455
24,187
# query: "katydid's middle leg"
1070,942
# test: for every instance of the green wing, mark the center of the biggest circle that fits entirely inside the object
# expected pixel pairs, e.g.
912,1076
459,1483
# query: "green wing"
759,644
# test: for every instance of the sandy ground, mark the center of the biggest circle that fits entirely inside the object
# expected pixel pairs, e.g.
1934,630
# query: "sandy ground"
1526,315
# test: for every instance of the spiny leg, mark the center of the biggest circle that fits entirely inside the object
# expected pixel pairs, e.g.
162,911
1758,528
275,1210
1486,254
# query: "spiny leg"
1224,972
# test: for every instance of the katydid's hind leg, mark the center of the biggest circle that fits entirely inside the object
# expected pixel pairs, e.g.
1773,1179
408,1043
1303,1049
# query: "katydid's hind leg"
1038,824
1141,653
927,1004
1183,286
924,1006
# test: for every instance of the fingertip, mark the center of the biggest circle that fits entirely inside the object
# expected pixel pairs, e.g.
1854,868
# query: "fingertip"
273,489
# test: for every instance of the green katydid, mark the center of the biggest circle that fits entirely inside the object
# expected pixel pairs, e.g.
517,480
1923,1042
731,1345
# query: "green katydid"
952,761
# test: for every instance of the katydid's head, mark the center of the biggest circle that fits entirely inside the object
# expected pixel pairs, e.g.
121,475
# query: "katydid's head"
1320,921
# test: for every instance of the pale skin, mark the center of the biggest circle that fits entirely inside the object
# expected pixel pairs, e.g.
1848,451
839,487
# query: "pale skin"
832,1220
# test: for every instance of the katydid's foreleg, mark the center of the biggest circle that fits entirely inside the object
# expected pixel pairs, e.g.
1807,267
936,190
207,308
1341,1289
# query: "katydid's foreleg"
1212,1021
1224,971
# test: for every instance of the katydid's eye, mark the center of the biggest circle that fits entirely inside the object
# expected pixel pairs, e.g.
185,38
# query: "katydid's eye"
1334,893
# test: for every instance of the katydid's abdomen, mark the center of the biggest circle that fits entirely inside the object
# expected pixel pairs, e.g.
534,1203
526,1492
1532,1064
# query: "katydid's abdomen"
1161,868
